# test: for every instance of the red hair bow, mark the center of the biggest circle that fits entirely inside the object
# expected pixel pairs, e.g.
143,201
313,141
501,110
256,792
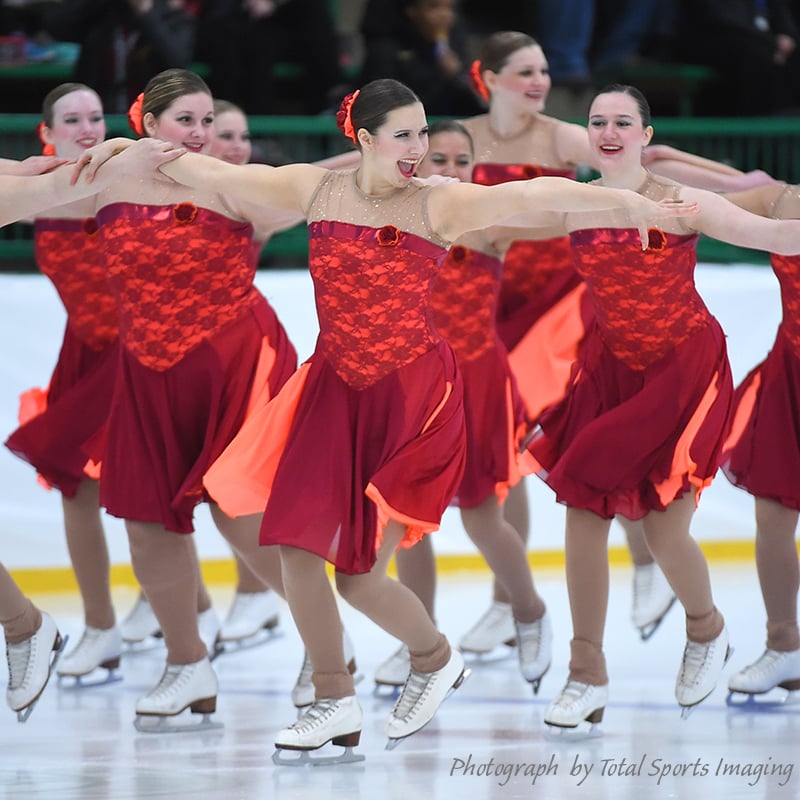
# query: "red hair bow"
135,115
48,149
477,80
344,116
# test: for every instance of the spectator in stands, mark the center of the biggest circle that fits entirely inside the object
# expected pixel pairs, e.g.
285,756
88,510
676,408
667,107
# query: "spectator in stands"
124,42
243,40
752,46
580,36
423,44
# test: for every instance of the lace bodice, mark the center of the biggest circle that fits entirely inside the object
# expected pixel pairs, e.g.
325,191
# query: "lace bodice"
787,268
372,289
181,273
68,252
464,301
646,302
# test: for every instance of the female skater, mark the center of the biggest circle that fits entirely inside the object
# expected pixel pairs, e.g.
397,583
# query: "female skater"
543,312
464,303
364,446
201,348
762,455
641,427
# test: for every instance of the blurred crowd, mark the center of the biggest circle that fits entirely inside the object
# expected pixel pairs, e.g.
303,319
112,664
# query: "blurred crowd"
302,56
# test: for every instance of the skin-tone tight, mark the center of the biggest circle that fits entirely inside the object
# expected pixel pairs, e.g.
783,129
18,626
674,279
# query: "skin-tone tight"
500,544
778,572
19,617
675,551
167,568
388,603
88,553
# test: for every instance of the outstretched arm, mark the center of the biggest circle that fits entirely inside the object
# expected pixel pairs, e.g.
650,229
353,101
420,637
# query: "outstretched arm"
758,200
33,165
22,197
288,187
722,220
456,208
703,173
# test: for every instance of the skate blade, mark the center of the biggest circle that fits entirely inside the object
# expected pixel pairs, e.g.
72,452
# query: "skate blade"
304,758
146,645
500,653
578,733
72,683
261,637
646,631
537,682
59,644
747,701
156,723
392,742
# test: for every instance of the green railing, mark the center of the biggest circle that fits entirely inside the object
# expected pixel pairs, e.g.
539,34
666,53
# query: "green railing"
771,144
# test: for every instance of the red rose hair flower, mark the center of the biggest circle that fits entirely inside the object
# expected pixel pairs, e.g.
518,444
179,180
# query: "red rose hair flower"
656,239
344,116
388,236
47,149
459,254
184,213
478,84
135,115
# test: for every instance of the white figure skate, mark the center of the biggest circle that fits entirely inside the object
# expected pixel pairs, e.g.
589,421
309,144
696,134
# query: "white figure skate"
577,703
392,673
30,664
182,686
700,670
495,628
652,599
774,669
534,648
97,649
337,721
421,697
140,627
252,620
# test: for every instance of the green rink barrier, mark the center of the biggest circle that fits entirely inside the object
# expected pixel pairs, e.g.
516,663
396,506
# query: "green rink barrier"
771,144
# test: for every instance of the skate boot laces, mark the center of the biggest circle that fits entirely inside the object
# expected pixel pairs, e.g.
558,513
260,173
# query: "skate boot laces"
20,662
316,716
175,677
417,687
697,659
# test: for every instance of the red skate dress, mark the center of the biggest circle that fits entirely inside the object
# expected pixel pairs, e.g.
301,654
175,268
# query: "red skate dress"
647,408
543,312
201,348
61,434
762,454
371,427
464,305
